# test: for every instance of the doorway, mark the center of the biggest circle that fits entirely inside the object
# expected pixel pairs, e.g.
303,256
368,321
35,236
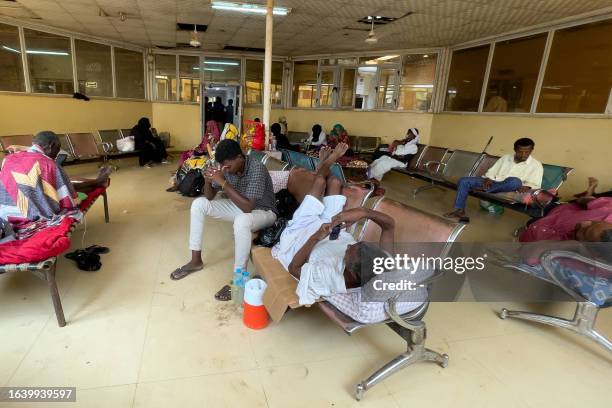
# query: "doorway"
224,93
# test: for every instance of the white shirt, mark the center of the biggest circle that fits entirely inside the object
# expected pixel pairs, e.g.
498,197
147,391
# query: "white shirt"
407,148
322,139
530,172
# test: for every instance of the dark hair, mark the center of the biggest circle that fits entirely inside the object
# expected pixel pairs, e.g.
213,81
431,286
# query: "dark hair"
606,236
46,138
230,101
227,149
257,120
524,142
362,265
275,129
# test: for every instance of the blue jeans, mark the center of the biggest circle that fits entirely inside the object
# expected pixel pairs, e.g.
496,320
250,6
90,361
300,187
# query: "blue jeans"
469,183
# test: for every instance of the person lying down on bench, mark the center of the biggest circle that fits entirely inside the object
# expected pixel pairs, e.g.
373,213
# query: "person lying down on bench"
332,268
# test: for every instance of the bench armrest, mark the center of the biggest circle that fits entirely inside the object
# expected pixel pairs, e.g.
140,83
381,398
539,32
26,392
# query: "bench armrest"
437,165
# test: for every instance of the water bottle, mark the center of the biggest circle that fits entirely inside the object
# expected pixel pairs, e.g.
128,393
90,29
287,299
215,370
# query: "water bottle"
237,293
245,278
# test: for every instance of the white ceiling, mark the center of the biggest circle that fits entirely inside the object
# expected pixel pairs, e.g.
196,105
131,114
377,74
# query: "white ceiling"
312,27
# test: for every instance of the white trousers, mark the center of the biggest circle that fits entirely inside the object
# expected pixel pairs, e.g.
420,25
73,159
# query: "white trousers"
244,224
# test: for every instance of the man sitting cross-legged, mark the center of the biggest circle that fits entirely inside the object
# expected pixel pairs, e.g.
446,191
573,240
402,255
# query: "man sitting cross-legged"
512,172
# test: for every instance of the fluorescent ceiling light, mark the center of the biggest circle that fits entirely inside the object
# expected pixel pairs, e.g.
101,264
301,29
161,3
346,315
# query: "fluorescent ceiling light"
221,63
386,57
214,69
37,52
196,68
161,77
248,8
422,86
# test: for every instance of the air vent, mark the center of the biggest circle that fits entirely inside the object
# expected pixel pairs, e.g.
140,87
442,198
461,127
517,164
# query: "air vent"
378,20
247,49
189,27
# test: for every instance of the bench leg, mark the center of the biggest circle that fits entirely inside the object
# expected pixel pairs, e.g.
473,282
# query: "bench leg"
105,200
57,304
425,187
416,352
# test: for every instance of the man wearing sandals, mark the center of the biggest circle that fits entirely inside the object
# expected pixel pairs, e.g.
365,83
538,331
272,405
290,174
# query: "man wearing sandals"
512,172
250,206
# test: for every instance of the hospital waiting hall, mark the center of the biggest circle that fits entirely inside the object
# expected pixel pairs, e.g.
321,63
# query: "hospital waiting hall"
314,203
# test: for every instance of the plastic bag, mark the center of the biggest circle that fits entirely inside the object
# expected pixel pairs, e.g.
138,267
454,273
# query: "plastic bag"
126,144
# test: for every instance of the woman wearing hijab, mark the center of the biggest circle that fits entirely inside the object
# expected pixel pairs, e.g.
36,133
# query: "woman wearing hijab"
317,137
282,142
338,135
397,155
151,149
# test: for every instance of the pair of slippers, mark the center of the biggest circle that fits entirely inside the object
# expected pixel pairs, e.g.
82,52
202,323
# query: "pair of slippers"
88,259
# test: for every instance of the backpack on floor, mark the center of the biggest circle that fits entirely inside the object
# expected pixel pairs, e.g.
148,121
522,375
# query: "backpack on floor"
192,184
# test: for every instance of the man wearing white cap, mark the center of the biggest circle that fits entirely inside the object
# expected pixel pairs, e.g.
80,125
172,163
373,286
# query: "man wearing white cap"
396,155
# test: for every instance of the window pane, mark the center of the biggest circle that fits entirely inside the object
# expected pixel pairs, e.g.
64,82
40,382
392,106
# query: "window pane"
417,81
254,82
94,68
327,88
348,85
11,69
465,79
304,83
344,61
365,90
165,77
386,88
579,73
49,62
221,70
129,73
189,72
514,73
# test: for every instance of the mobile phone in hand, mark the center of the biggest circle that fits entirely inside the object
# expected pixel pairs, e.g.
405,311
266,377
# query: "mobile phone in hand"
335,232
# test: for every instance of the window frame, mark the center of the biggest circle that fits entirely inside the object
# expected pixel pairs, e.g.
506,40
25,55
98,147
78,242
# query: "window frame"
284,82
550,29
72,37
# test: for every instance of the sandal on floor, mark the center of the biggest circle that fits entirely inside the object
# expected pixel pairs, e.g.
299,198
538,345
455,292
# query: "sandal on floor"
224,294
454,217
180,273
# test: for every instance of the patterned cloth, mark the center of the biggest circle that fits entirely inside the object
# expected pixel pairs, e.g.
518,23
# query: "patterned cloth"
280,179
589,286
33,187
211,136
338,135
254,183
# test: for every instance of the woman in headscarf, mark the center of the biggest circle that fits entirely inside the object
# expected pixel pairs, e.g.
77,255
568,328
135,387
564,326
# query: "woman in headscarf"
317,137
151,149
338,135
282,142
397,155
211,136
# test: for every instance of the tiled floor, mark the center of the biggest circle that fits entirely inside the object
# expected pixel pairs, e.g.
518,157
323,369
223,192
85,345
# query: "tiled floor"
137,339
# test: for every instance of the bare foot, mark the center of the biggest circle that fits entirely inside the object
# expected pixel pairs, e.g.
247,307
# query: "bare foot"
593,182
339,151
324,153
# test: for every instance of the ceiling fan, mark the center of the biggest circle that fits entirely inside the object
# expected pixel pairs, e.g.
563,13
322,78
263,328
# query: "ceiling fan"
195,41
371,38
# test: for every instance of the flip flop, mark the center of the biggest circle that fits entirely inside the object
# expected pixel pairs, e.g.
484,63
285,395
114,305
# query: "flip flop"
224,294
180,273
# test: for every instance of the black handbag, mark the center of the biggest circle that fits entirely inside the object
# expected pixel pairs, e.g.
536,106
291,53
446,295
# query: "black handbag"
267,237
